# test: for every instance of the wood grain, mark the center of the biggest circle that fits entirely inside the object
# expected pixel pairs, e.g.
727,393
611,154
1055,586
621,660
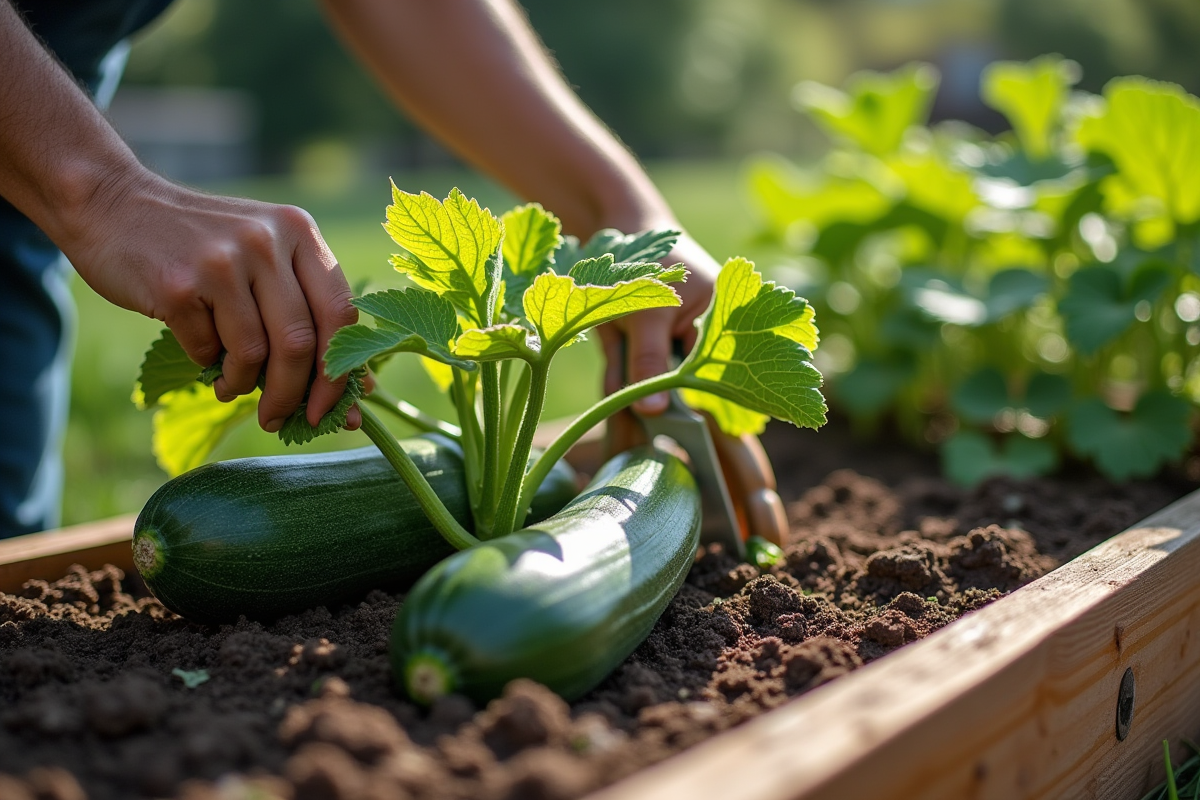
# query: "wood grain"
48,555
1017,700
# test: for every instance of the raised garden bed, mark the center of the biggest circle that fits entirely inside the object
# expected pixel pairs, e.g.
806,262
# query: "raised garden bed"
1018,700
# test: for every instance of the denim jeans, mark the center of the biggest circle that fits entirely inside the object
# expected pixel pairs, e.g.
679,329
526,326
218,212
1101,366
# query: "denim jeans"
37,316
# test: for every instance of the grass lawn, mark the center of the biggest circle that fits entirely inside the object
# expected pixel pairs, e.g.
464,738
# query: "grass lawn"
109,466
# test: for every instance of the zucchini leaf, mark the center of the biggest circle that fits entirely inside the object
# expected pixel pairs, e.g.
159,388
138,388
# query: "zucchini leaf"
1100,304
498,342
755,348
731,418
969,457
652,245
412,321
531,235
190,422
1031,96
1151,131
561,309
602,271
1132,445
452,247
164,369
296,429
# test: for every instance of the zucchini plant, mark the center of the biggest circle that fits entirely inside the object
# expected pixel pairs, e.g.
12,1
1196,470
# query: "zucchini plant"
493,300
1012,298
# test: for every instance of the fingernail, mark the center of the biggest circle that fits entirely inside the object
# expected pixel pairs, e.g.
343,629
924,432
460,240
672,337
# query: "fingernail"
273,426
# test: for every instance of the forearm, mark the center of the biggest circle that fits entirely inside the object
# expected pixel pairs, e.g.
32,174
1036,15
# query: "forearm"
474,74
57,152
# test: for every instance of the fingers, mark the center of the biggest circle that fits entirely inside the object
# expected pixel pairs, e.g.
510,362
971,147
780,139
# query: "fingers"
197,334
648,353
328,298
245,341
293,345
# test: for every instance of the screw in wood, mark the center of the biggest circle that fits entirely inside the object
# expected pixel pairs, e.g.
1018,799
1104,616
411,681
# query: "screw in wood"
1125,705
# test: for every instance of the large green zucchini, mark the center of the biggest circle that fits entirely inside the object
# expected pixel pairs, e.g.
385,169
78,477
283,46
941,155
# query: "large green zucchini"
268,536
562,602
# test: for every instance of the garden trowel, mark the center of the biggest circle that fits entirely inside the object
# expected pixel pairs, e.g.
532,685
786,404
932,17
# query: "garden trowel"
688,430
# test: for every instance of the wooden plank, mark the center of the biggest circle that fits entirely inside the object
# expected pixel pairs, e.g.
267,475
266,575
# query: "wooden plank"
1018,700
48,555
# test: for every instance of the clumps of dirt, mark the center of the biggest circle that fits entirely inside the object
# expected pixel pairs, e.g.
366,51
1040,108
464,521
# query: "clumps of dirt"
92,702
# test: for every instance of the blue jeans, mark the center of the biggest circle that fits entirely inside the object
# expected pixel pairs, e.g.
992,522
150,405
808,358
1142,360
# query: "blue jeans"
37,315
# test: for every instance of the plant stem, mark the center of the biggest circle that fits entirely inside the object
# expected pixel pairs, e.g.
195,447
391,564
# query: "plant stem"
512,421
491,448
506,513
1172,791
412,415
601,411
464,401
434,509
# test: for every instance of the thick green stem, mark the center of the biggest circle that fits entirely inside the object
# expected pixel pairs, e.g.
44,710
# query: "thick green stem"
464,401
601,411
434,509
506,513
512,420
412,415
491,447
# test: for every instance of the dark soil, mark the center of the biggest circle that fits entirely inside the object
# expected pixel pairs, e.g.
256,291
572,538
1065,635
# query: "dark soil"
882,552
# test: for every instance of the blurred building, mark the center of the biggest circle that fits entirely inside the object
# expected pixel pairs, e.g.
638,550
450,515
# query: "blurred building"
192,135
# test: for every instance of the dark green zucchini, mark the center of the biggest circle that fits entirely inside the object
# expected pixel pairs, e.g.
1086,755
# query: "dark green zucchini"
274,535
562,602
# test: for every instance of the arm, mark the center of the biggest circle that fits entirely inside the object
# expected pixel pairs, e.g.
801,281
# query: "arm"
221,272
474,74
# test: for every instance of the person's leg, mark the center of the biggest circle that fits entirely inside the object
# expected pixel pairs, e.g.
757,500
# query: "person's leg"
36,337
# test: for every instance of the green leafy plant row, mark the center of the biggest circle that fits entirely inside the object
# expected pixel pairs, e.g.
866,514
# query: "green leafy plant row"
1009,298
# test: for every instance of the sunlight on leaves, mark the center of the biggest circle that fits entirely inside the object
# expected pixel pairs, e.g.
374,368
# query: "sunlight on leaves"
731,418
1031,95
650,245
787,196
602,271
498,342
451,248
191,422
531,235
1151,131
560,309
876,109
406,321
755,348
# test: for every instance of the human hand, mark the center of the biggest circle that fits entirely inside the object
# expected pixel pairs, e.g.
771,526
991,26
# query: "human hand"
253,279
639,346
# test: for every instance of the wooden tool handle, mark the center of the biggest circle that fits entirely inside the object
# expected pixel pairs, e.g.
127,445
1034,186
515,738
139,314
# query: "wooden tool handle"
751,481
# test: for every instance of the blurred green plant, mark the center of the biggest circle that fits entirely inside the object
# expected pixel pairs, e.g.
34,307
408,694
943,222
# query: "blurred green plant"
1010,299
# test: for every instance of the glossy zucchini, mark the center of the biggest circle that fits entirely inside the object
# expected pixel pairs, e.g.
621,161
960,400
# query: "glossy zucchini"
263,537
562,602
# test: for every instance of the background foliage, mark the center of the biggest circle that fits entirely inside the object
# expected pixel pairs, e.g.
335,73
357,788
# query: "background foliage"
1009,298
